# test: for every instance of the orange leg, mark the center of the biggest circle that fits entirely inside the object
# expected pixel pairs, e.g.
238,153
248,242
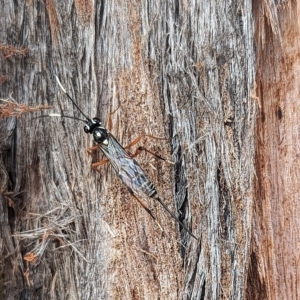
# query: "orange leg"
110,124
98,164
141,148
141,136
91,149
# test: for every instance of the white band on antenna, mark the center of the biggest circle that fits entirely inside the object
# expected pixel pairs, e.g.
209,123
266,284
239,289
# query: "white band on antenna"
54,115
60,84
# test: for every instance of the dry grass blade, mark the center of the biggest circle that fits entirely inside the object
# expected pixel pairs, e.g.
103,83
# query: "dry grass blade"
27,277
38,251
11,108
55,229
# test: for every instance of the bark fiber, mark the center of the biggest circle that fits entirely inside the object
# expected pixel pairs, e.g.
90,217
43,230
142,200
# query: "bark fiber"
184,70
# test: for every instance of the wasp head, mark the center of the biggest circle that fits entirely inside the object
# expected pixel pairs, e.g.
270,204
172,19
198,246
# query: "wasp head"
90,125
94,127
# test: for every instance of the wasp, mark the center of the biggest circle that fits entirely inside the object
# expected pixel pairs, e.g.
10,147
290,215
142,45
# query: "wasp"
127,168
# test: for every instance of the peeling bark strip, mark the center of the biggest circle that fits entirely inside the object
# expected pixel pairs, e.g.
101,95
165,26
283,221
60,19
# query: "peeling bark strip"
275,268
10,108
53,20
177,69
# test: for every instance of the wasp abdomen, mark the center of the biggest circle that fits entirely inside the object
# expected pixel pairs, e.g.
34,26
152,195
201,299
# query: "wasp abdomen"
145,185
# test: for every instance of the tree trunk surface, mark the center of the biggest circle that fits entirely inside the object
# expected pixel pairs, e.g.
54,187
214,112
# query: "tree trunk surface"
181,70
274,271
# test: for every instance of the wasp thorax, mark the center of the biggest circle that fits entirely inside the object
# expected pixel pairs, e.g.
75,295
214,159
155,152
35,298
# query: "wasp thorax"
100,135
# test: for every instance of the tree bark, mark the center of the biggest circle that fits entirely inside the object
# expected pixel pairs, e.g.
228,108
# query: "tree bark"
182,70
274,269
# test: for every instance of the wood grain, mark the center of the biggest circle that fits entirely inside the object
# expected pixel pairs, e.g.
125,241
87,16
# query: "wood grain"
183,70
274,272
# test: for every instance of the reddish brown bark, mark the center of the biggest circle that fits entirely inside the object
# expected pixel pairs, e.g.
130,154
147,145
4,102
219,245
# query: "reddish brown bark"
275,269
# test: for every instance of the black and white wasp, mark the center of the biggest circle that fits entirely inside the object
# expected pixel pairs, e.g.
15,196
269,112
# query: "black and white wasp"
123,163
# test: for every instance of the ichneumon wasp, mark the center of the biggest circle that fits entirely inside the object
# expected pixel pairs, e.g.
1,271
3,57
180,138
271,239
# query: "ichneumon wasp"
123,163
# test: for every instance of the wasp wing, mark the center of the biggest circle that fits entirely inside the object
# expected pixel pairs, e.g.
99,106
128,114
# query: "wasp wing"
132,174
127,168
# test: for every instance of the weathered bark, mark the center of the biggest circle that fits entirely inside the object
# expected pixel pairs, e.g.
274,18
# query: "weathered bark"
274,272
182,70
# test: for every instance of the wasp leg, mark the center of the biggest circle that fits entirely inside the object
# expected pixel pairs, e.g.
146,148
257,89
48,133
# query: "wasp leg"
141,148
91,149
110,124
98,164
145,207
144,135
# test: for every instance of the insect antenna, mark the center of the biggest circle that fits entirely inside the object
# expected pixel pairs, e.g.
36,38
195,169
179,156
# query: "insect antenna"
58,115
60,85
